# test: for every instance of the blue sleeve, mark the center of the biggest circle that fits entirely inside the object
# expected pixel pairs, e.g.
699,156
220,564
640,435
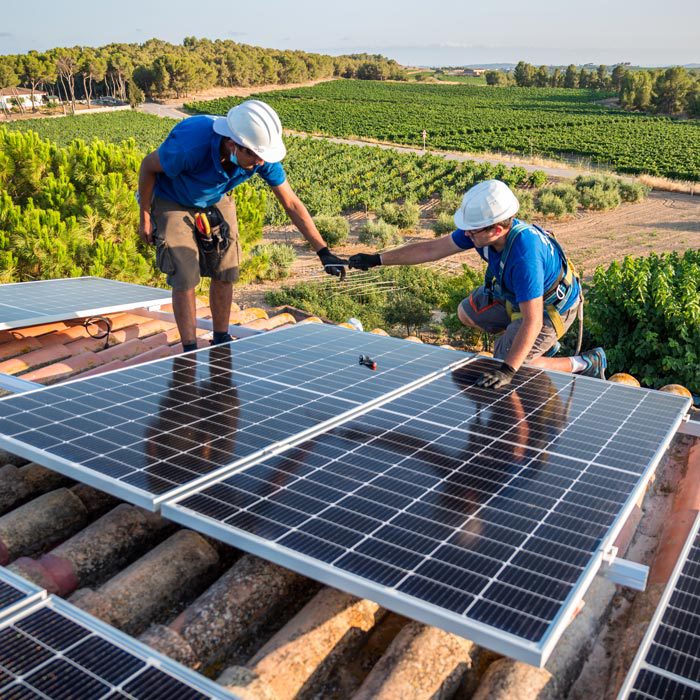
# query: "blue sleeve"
272,173
462,240
525,271
172,155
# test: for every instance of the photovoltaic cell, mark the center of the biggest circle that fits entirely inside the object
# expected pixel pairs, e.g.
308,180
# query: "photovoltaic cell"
484,512
45,301
57,651
667,665
146,431
16,593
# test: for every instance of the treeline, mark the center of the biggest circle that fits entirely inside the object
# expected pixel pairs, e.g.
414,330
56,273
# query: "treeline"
672,91
157,69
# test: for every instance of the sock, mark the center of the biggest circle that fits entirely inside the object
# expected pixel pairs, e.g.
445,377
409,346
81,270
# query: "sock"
186,347
578,364
220,337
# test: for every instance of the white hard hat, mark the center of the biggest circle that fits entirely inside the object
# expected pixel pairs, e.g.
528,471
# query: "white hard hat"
255,125
485,204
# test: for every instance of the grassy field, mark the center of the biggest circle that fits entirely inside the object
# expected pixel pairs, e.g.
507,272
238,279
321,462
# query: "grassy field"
550,122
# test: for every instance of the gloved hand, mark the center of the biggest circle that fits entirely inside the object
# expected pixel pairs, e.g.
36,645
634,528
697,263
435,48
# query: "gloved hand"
363,261
332,264
496,378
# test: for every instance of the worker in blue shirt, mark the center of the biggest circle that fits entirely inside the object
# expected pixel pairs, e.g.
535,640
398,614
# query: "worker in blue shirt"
186,213
531,294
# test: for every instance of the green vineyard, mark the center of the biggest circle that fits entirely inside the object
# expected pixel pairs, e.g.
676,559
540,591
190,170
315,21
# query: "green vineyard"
551,122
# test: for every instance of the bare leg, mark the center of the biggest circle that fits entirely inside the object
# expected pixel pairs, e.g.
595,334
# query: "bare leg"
220,297
561,364
465,320
184,308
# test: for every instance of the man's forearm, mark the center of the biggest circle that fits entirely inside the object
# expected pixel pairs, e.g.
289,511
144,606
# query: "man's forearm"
303,221
147,183
413,254
523,342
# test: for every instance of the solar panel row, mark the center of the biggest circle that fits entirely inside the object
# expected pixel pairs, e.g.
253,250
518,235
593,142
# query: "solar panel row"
16,593
667,665
56,651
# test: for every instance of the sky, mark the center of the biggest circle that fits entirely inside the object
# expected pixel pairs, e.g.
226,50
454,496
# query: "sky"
438,33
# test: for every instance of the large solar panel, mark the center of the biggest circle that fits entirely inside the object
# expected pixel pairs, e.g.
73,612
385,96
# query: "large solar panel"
667,665
145,432
45,301
484,512
16,593
55,650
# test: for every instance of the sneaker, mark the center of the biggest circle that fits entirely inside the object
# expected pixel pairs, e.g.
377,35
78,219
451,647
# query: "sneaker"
596,363
553,350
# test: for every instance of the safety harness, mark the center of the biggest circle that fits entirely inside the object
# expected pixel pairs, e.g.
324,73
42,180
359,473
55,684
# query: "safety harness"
555,298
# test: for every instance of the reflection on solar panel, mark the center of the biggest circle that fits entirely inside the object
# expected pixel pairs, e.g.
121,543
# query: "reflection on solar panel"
144,432
667,665
55,650
45,301
16,593
485,513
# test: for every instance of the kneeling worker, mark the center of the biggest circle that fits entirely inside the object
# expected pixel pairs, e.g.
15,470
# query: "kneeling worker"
184,210
531,294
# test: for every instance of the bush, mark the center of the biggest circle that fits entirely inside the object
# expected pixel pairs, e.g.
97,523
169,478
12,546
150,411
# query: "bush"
645,312
408,311
527,204
270,261
404,215
557,200
380,234
449,202
537,179
334,229
443,224
633,191
598,192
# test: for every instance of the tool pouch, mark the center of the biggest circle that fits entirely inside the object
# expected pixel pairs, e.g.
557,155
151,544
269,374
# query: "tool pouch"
213,247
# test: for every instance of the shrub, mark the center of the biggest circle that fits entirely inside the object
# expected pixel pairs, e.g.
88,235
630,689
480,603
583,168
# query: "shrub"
537,179
404,215
408,311
270,261
334,229
557,200
598,192
443,224
645,312
380,234
633,191
527,204
449,202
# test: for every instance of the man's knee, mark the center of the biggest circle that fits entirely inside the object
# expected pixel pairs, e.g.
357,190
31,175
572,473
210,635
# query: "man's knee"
464,318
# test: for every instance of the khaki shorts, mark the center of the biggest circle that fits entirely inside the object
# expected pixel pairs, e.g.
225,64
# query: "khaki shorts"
491,316
177,252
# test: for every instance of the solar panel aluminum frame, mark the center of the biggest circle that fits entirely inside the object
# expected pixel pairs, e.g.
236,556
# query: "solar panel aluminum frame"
535,654
128,643
639,663
153,502
32,592
84,313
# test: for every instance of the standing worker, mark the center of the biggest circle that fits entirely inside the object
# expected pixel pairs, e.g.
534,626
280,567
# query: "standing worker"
184,210
531,293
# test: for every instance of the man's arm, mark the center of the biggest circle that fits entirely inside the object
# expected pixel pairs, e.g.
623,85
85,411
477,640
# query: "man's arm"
299,215
150,166
533,315
420,252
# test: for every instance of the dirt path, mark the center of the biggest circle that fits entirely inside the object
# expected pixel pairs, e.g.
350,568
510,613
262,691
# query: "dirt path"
662,223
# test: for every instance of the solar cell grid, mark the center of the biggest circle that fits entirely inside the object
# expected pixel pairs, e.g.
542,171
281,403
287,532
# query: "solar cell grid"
16,593
668,662
146,431
45,301
453,498
56,651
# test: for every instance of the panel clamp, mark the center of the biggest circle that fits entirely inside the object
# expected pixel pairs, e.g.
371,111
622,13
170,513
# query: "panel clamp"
624,572
688,426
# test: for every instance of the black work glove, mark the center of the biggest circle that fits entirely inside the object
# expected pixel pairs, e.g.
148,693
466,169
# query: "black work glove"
332,264
496,378
363,261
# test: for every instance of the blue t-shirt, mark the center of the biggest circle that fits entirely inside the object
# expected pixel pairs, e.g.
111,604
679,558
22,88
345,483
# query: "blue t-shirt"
533,266
193,175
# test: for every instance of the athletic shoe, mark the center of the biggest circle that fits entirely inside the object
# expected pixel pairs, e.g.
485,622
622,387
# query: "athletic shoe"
596,363
553,350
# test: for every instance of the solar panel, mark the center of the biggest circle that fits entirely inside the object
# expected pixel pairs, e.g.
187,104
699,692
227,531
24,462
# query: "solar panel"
15,592
145,432
667,664
45,301
55,650
486,513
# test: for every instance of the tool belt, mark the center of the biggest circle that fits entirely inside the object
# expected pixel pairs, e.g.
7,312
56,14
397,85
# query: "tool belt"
213,236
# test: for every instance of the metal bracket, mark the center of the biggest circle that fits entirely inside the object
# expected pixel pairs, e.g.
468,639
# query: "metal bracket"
689,426
16,385
624,572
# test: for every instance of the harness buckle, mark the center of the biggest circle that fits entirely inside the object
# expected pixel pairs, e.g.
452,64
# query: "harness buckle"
561,292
